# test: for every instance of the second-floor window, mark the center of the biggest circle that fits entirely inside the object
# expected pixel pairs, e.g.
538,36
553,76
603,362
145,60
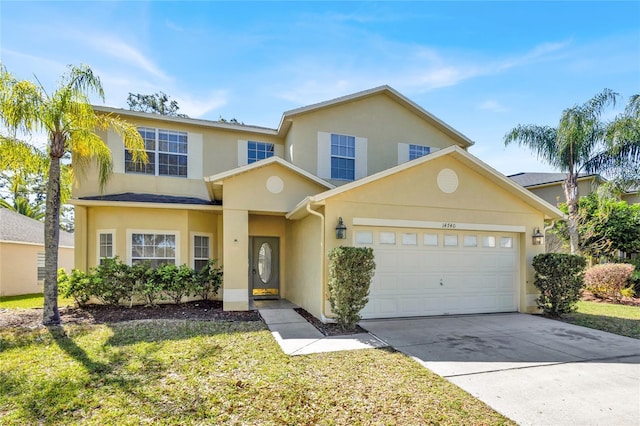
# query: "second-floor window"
258,151
343,157
417,151
167,152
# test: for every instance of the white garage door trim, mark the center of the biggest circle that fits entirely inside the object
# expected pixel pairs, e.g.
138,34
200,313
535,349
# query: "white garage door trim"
422,272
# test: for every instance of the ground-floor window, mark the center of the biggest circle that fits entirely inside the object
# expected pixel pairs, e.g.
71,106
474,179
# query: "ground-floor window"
106,242
157,248
201,251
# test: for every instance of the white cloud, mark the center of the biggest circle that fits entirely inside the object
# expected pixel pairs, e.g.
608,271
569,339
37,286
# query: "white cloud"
491,105
117,48
196,108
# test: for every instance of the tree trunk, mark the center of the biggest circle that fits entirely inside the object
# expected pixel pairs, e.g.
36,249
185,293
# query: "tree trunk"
50,315
571,193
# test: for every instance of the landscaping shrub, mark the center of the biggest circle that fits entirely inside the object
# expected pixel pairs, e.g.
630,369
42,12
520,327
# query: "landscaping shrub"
609,281
78,285
559,277
114,282
207,281
635,277
350,272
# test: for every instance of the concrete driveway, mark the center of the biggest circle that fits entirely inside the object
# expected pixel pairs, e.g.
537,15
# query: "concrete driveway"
533,370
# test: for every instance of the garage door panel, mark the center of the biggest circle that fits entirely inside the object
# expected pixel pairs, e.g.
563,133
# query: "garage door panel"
419,279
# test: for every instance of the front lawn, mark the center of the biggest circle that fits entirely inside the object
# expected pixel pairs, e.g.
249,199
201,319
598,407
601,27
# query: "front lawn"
27,301
208,372
618,319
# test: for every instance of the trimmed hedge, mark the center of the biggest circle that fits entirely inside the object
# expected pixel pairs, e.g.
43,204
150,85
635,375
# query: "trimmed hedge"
350,272
610,280
115,282
560,278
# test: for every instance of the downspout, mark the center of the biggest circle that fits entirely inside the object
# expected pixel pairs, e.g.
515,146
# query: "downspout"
322,270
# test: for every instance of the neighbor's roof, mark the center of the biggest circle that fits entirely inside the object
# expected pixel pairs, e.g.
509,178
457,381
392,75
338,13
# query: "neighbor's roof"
464,141
15,227
535,179
454,151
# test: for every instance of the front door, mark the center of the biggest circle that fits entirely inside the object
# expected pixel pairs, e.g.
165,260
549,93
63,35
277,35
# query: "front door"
264,267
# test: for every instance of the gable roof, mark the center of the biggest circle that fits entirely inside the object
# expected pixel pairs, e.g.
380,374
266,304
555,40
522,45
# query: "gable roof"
527,179
285,122
217,179
15,227
457,153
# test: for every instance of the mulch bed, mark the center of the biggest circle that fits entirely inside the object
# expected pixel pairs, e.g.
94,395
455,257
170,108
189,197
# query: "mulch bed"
630,301
207,310
329,329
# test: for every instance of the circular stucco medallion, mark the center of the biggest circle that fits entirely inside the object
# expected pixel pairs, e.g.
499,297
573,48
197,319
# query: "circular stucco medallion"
275,184
447,181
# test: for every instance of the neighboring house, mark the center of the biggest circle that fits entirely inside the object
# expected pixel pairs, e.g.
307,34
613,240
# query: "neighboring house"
450,234
549,186
22,254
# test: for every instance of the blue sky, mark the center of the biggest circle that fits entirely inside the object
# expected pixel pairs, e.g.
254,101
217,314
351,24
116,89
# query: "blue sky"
482,67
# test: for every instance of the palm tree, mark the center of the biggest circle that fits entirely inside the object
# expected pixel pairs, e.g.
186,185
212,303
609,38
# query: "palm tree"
70,123
582,142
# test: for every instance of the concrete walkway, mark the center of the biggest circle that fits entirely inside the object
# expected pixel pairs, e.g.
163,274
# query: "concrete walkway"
296,336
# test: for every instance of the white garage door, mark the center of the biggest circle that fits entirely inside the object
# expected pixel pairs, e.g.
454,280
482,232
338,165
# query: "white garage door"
424,272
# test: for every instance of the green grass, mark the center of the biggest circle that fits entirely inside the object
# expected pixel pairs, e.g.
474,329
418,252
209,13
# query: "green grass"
203,372
619,319
27,301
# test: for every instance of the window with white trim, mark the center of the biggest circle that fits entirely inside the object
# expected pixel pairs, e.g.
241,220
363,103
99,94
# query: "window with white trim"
258,151
343,157
158,249
417,151
200,251
167,151
105,246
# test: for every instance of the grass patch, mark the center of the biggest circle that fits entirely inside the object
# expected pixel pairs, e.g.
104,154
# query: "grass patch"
618,319
27,301
205,372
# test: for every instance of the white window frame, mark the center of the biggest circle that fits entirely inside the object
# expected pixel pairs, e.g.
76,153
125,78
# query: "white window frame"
192,248
156,152
324,156
113,243
414,147
173,232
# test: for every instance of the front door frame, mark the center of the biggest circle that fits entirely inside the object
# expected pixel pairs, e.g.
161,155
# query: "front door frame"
253,267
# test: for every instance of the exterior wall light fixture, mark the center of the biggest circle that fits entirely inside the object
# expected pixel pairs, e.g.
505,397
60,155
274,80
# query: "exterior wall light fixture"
537,237
341,230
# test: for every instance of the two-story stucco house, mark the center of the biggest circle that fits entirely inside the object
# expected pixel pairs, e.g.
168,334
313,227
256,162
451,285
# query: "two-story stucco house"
450,234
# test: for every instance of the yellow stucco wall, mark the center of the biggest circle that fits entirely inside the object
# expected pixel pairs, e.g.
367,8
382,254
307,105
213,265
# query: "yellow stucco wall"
211,151
250,191
19,267
236,262
304,267
122,221
381,120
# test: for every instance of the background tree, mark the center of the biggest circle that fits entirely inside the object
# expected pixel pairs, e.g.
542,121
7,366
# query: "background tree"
582,142
158,103
67,117
23,177
606,227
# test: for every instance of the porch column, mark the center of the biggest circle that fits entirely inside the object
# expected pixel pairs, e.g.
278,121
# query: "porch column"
235,294
80,238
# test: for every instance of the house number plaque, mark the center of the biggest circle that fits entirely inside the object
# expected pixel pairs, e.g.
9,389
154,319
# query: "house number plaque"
448,225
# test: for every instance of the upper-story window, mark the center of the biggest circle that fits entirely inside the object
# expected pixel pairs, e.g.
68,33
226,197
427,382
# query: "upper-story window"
166,150
417,151
343,157
258,151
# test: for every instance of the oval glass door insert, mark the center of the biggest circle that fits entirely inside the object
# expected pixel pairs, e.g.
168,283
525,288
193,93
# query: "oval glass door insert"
264,262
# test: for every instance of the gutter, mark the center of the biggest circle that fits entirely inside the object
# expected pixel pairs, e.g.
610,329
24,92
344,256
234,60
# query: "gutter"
323,268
